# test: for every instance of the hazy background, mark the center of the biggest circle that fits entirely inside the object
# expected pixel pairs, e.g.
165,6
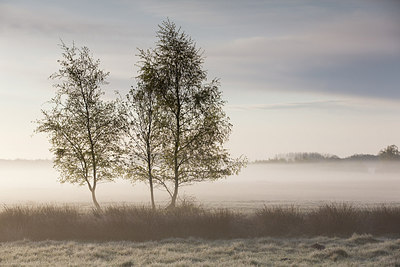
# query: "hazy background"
299,76
306,184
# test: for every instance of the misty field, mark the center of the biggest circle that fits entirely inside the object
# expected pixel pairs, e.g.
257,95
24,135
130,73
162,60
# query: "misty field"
357,250
247,219
258,184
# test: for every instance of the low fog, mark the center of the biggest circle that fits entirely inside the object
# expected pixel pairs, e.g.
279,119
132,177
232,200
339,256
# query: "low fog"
35,182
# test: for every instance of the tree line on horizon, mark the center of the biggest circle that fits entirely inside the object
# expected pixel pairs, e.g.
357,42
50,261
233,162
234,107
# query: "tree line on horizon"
389,153
168,131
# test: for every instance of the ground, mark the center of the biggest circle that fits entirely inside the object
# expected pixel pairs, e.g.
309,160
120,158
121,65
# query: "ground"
358,250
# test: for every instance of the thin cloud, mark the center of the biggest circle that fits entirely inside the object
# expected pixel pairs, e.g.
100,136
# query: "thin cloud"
352,55
334,48
189,11
57,22
358,105
328,104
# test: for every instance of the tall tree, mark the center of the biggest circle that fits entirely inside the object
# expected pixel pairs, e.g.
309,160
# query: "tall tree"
141,113
194,123
83,129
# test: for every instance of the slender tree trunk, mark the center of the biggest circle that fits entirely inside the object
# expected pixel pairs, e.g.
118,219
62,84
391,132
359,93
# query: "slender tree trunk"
92,151
149,154
176,166
149,165
93,191
176,172
96,204
153,205
177,142
174,196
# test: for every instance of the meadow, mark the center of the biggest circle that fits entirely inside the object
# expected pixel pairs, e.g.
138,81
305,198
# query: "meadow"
191,235
269,215
357,250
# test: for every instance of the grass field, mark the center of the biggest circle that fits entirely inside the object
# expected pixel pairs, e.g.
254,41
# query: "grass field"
357,250
190,235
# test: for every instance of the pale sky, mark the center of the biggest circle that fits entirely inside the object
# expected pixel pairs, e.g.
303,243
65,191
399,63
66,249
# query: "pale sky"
298,76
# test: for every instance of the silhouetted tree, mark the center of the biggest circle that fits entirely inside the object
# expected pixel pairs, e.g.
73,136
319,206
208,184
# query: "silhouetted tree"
141,116
389,153
83,129
193,122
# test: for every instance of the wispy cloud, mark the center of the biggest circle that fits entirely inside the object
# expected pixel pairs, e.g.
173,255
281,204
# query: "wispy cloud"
353,54
48,21
328,104
352,105
55,21
187,11
330,47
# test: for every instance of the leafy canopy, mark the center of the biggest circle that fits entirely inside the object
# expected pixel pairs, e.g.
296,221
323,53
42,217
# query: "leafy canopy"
83,129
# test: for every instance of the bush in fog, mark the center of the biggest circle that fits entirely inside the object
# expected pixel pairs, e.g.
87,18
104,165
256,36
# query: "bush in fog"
389,153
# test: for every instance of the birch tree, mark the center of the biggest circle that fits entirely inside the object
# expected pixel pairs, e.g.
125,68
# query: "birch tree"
83,129
194,124
141,117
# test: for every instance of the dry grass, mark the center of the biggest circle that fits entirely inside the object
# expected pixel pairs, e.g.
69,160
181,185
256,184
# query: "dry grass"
358,250
135,223
194,236
328,220
114,223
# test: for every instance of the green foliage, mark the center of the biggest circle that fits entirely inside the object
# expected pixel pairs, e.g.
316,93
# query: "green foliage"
170,129
191,118
83,129
140,113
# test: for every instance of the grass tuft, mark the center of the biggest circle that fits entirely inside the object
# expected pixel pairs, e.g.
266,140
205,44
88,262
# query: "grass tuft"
334,220
279,221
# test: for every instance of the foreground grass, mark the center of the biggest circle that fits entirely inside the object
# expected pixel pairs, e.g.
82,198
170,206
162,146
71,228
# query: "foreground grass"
191,235
357,250
131,223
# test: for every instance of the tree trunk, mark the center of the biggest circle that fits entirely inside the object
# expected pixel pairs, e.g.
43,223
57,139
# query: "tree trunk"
96,204
177,142
176,174
153,205
174,196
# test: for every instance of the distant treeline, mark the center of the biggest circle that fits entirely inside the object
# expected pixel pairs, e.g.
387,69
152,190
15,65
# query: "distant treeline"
390,153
